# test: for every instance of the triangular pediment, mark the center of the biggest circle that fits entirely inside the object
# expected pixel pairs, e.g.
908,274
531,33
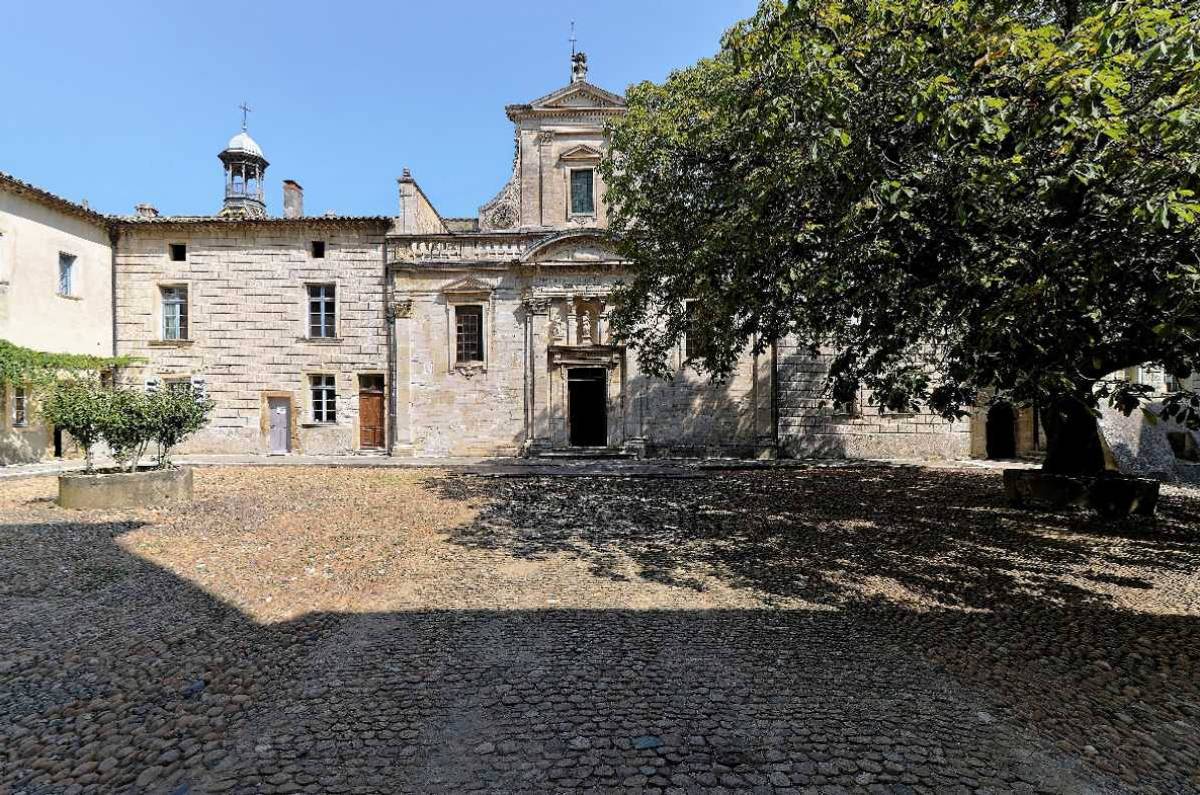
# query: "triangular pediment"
469,284
578,95
583,152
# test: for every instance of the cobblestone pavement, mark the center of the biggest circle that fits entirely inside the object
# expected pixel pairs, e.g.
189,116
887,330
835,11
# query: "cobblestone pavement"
827,630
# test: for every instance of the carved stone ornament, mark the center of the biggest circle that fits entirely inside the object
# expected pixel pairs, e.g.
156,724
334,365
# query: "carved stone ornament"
400,309
502,216
546,137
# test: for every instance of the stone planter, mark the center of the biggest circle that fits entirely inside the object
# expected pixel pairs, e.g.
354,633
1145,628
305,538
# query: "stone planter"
1111,495
142,489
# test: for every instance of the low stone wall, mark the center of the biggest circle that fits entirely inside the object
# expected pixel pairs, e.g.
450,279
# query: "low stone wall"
142,489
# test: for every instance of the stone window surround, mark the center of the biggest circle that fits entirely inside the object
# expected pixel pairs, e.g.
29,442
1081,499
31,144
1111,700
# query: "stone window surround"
338,298
580,158
158,339
472,295
308,420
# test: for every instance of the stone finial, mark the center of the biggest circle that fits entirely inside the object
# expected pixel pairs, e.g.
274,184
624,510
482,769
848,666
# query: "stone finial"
146,211
579,67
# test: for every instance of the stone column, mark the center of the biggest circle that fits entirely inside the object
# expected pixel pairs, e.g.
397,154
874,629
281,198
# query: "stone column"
764,403
537,393
401,313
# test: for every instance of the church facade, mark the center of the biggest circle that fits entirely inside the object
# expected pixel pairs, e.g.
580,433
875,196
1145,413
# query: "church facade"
414,334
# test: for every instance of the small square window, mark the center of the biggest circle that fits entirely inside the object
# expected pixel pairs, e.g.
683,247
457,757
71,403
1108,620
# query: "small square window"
318,249
178,252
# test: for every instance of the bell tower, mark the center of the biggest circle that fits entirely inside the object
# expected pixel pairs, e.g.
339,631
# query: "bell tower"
245,168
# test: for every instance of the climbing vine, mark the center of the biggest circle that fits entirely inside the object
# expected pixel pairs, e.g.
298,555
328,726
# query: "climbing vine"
19,365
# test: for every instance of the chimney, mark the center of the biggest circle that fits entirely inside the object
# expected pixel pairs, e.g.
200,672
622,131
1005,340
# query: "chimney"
146,211
293,199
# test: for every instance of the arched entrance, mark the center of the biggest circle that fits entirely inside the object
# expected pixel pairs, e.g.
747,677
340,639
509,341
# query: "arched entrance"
1001,431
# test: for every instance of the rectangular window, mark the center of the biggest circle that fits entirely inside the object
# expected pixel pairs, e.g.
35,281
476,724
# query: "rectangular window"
66,274
178,252
469,322
20,407
324,398
322,311
318,249
692,349
175,313
583,200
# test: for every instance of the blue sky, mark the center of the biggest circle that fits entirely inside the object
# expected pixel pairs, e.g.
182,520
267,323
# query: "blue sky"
121,103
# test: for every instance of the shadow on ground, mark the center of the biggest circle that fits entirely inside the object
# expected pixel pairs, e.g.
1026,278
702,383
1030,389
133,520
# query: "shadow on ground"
1082,629
913,634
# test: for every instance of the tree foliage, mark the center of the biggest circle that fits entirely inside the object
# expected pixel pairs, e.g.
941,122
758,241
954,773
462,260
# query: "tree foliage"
947,197
20,365
126,420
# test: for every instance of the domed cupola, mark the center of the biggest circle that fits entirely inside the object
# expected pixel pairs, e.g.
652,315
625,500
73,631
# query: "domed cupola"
245,167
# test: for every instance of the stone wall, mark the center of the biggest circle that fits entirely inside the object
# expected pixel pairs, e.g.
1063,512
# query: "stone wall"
808,429
247,295
518,399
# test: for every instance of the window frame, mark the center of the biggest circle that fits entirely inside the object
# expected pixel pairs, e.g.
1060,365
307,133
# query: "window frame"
183,333
327,313
69,260
20,406
462,312
322,398
571,211
317,249
180,248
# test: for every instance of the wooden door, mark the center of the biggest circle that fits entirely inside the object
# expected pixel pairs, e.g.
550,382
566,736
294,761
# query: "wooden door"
371,433
281,425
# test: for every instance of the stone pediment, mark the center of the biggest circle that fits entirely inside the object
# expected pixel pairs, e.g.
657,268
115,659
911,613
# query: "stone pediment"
578,95
467,285
581,153
571,248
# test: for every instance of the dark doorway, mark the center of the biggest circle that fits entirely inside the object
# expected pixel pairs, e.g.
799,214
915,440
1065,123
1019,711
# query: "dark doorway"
587,406
58,442
371,434
1001,431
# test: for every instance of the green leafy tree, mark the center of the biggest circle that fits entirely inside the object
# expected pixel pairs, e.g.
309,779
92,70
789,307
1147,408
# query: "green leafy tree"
176,413
78,406
127,425
948,198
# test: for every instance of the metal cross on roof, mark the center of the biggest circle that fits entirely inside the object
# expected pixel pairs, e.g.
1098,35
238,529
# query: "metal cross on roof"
572,38
245,109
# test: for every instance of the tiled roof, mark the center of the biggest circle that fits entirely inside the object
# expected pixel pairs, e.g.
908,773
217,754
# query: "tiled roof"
24,188
332,220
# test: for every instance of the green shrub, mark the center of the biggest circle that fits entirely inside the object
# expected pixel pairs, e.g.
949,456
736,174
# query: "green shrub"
125,419
78,406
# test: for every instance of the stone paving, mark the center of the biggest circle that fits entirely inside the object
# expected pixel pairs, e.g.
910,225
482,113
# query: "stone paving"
853,629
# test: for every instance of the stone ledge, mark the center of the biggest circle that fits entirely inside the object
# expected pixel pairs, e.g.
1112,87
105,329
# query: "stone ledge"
141,489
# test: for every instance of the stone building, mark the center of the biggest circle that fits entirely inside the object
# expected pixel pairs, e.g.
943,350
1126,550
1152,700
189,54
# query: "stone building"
416,334
279,320
55,297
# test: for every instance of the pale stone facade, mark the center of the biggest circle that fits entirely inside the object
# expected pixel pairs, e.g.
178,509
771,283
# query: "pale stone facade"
55,297
247,340
440,336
